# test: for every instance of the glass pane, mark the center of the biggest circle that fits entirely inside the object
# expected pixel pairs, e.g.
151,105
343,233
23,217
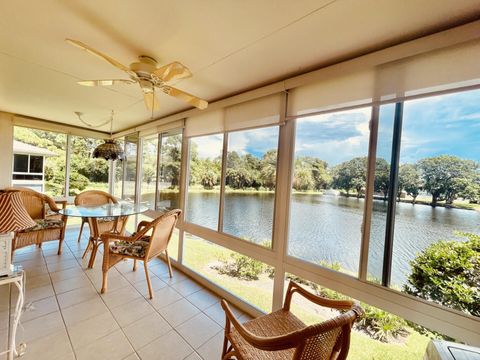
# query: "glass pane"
36,164
327,204
149,171
249,279
382,182
86,173
20,163
42,143
379,335
118,172
439,174
205,163
130,170
250,184
169,174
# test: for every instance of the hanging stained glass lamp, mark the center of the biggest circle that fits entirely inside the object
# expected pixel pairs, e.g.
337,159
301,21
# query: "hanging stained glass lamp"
110,149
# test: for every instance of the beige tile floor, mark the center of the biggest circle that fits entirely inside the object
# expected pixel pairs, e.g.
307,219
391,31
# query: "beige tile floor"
66,317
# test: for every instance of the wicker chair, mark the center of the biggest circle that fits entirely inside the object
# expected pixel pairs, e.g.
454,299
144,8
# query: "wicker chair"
281,335
140,245
43,210
98,226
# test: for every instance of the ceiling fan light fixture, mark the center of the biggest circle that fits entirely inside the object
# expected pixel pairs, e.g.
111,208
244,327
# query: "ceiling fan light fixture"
109,150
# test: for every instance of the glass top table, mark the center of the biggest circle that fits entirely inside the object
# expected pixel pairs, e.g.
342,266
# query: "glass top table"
112,216
101,211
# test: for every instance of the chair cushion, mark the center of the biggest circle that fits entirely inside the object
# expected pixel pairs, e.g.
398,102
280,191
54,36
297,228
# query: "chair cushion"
105,219
131,248
44,224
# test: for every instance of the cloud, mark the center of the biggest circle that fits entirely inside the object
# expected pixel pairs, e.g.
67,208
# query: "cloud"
334,137
209,146
255,142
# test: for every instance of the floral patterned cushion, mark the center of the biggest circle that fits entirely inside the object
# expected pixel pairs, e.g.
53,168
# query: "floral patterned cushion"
43,224
131,248
105,219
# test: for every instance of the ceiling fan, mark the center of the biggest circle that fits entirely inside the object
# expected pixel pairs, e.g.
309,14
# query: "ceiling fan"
146,73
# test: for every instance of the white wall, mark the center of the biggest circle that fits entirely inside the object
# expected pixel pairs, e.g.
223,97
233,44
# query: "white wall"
6,149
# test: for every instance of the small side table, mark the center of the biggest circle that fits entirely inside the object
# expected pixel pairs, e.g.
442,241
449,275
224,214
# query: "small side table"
17,277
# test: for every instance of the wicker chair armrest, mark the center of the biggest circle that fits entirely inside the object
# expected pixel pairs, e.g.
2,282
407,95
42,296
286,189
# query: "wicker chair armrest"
319,300
142,224
51,203
63,203
282,342
107,237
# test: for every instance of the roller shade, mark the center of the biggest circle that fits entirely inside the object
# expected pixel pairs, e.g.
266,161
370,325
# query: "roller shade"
210,122
255,113
361,83
259,112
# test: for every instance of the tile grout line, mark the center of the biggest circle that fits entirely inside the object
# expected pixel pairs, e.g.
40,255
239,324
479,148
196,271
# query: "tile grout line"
58,304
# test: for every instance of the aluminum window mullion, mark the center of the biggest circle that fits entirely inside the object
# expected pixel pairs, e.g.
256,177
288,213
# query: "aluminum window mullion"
68,150
285,160
392,194
184,176
222,182
369,189
157,181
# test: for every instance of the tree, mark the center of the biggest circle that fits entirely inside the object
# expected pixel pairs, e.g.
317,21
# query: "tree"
350,175
382,177
209,179
238,178
445,176
448,273
409,180
303,179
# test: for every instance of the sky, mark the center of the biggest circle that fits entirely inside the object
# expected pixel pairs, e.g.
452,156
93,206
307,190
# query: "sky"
445,124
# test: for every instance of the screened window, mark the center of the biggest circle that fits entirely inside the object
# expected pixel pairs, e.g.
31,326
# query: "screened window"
86,173
250,181
205,164
169,171
149,170
36,164
327,202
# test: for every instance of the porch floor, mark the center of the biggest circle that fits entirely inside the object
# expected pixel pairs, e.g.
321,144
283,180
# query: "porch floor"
67,318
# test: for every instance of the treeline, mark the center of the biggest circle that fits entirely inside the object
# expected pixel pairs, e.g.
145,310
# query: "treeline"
444,177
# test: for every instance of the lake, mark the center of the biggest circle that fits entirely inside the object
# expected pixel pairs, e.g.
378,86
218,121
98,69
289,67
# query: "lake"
328,227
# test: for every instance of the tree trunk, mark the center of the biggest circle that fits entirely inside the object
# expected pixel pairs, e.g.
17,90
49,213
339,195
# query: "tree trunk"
434,200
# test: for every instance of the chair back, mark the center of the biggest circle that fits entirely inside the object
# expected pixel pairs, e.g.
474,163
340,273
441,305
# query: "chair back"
34,201
329,340
162,229
94,197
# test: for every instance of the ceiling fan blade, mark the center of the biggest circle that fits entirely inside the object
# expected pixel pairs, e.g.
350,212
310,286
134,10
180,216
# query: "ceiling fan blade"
182,95
105,82
92,51
173,71
151,101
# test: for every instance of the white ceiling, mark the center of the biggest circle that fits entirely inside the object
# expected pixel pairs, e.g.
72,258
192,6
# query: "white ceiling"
229,45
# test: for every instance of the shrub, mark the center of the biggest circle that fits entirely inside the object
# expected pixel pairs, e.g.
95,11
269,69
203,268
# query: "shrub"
448,273
242,267
381,325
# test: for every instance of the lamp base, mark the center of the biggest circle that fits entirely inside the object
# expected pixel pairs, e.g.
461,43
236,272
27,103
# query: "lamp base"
6,253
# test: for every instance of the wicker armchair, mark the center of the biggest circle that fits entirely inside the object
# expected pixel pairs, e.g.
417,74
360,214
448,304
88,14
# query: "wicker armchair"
281,335
140,245
43,210
98,226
